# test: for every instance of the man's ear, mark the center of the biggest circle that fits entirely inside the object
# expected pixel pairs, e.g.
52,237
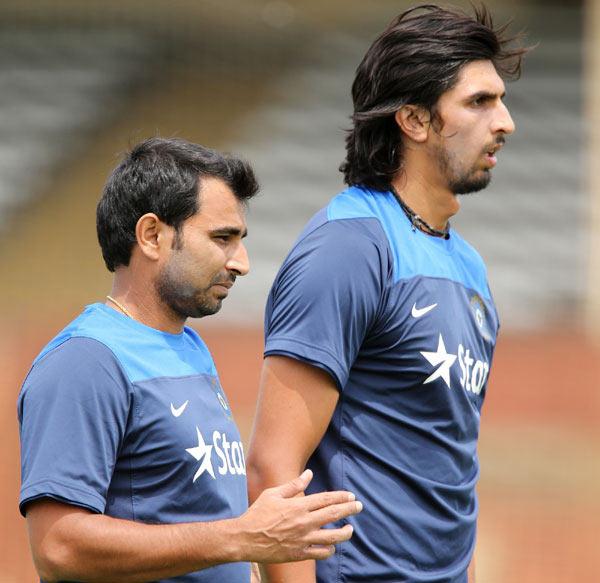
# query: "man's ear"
414,122
152,236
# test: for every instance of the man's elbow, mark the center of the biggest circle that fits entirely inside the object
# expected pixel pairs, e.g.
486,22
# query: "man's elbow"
53,560
266,472
258,475
53,541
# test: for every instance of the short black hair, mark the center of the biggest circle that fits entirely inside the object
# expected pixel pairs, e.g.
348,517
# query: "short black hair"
417,58
161,176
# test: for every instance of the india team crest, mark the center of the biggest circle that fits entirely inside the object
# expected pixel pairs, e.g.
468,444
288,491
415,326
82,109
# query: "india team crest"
218,391
479,312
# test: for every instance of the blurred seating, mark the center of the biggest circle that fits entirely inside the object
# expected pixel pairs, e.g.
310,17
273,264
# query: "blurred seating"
57,87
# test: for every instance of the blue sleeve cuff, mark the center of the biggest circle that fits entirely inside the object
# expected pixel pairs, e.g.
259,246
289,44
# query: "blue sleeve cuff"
67,493
310,354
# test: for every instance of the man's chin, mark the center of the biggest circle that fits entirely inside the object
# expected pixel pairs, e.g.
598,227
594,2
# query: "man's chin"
197,310
207,309
472,184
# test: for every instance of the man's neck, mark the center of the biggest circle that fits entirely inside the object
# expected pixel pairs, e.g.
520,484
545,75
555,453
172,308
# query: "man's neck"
433,203
143,305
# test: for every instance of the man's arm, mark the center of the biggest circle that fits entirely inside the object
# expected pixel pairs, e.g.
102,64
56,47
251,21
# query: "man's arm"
295,405
70,543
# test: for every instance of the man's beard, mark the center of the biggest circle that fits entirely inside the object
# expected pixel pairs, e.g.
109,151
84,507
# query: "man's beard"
461,182
183,298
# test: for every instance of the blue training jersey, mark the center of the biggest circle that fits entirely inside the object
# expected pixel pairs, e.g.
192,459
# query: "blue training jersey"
122,419
406,326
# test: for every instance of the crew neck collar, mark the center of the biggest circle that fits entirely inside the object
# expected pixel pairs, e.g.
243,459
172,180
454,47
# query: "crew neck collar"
133,323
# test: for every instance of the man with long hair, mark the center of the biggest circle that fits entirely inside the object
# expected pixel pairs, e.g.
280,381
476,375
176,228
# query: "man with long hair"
380,326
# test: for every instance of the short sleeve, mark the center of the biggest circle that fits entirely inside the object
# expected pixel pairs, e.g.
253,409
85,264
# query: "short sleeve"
73,411
327,295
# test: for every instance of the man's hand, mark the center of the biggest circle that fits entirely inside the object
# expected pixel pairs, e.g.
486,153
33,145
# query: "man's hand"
282,526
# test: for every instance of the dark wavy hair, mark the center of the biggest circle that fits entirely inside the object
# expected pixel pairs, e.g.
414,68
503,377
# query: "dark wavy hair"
414,61
161,176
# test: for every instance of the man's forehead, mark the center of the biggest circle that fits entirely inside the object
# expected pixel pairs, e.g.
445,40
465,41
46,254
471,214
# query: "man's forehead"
215,196
478,76
218,206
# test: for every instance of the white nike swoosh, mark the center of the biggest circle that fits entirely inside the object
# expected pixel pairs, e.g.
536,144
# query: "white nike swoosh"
177,412
418,312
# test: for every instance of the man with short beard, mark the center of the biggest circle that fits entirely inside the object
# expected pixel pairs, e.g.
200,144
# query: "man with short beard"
380,325
132,466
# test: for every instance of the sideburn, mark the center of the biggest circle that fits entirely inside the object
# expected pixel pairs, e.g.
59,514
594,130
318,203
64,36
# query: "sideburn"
177,243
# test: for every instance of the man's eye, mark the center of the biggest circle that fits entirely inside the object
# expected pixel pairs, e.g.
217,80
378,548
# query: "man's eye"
482,100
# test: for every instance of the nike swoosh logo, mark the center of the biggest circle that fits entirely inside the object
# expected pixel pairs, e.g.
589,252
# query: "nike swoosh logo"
177,412
418,312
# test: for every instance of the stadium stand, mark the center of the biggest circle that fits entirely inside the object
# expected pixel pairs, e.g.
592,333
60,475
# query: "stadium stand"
57,86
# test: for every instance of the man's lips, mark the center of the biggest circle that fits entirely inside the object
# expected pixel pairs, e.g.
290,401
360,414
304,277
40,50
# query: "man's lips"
224,284
491,159
490,153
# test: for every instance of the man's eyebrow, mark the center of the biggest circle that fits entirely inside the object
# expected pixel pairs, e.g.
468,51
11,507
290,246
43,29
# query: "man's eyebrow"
235,231
485,95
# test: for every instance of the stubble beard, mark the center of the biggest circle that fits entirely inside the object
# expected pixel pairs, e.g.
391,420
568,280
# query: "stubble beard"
183,298
461,181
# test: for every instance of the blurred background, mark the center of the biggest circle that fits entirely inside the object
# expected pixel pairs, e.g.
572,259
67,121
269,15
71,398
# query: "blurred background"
83,79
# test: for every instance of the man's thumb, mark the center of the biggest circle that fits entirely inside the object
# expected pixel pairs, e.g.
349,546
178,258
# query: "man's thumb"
295,486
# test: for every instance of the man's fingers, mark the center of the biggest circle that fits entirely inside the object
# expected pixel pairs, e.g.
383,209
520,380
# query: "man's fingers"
334,513
318,553
295,486
330,536
324,499
322,542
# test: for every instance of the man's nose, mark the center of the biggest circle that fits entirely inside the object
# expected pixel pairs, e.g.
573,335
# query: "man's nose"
503,122
239,261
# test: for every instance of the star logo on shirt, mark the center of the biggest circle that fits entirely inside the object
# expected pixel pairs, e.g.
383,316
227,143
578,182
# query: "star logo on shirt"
442,360
202,452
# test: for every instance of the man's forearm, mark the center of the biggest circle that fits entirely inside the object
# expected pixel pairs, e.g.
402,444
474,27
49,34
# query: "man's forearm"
70,543
98,548
296,405
303,572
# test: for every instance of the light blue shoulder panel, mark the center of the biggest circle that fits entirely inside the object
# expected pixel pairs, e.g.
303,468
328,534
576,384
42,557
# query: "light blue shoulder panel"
144,353
414,253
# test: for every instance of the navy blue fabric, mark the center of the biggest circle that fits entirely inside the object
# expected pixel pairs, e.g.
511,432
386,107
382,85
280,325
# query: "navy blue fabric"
125,420
406,326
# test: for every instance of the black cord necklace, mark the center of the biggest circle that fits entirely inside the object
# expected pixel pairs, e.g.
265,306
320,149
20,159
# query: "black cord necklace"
417,222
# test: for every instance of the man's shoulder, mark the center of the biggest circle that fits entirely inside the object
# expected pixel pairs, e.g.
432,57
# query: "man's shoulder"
359,202
142,352
354,216
88,326
77,353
